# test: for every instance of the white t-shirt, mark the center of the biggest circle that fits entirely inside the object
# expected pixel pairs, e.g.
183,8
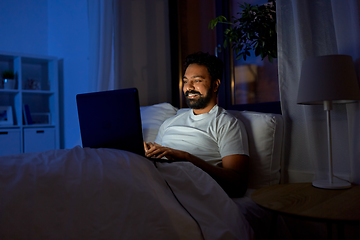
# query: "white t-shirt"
209,136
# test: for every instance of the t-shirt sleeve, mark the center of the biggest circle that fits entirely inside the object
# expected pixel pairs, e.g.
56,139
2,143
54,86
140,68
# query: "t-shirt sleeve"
160,134
162,129
232,138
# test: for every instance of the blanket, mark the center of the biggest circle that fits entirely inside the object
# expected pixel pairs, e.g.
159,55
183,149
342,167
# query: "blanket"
84,193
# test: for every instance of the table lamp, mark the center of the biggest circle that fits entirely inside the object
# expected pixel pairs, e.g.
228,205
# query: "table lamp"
327,80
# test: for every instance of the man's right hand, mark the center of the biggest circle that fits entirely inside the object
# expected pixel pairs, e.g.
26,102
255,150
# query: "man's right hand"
149,146
157,151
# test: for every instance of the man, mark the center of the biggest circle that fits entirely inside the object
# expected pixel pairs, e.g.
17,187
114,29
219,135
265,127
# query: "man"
206,135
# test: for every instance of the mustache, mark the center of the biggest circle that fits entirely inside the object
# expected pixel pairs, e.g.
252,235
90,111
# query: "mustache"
192,92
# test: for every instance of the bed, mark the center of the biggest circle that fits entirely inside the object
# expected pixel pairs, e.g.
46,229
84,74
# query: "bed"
84,193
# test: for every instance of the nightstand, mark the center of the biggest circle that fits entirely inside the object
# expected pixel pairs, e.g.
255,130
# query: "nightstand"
302,200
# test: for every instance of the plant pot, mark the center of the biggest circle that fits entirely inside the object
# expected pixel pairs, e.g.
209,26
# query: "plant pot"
9,83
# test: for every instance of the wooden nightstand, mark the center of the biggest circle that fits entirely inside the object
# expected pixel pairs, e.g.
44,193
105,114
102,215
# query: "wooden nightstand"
302,200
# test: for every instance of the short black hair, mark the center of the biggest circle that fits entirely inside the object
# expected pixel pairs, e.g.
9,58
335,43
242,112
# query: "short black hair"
213,64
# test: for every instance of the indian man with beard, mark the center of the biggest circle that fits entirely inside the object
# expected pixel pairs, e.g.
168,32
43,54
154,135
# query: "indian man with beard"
206,135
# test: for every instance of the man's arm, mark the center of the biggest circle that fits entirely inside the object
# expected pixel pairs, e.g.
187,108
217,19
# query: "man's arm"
232,175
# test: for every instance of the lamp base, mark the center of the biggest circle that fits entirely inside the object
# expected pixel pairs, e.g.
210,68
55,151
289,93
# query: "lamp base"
336,184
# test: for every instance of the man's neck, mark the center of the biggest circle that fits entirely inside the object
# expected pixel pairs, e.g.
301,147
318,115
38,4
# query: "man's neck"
204,110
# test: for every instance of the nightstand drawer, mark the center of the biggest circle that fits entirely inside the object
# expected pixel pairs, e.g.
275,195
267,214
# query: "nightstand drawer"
39,139
10,141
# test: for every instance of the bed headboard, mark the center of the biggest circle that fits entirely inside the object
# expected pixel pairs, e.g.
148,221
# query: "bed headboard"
266,107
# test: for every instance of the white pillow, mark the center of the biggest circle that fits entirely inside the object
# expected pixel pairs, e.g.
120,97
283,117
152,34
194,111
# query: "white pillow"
152,117
265,134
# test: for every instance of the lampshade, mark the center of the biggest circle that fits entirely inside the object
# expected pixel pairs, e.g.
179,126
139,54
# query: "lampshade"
328,78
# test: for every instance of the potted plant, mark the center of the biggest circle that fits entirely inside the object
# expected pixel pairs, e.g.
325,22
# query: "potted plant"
9,79
253,29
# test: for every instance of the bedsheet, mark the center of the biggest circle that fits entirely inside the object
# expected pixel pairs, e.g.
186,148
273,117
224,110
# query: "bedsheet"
84,193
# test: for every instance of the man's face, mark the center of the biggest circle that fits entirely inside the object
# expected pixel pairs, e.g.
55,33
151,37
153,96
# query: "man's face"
197,86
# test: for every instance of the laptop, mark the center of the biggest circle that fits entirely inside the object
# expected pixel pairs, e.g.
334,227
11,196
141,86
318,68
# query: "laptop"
111,119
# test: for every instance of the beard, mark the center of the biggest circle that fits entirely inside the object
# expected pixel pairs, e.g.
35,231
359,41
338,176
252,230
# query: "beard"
201,102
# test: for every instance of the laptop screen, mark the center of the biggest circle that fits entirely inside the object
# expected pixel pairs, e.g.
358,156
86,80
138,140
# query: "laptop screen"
111,119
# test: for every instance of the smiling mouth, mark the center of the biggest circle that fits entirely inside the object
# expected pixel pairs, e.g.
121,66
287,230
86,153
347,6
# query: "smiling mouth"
192,94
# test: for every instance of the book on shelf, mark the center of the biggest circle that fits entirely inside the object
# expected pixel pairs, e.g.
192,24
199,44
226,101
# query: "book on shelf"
27,115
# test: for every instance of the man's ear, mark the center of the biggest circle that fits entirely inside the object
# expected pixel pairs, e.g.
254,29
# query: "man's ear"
216,85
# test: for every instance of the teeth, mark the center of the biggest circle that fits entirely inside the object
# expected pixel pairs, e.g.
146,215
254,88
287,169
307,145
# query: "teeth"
192,95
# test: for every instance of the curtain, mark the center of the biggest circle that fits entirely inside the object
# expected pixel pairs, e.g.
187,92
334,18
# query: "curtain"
308,28
130,47
101,43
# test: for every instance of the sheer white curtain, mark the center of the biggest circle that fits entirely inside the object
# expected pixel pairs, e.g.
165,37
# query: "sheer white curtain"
130,47
308,28
101,55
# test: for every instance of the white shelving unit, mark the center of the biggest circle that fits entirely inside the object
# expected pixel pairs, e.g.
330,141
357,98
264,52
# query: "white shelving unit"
36,86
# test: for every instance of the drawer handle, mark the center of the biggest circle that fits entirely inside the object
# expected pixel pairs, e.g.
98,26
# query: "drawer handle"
40,131
4,133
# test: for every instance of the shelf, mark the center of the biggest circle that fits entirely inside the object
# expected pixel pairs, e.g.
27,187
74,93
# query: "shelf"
38,125
37,87
10,127
11,91
16,91
37,92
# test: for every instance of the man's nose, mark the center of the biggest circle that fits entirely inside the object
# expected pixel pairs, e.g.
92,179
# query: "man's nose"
189,85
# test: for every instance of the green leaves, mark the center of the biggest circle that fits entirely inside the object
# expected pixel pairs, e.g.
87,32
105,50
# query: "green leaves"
253,29
219,19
